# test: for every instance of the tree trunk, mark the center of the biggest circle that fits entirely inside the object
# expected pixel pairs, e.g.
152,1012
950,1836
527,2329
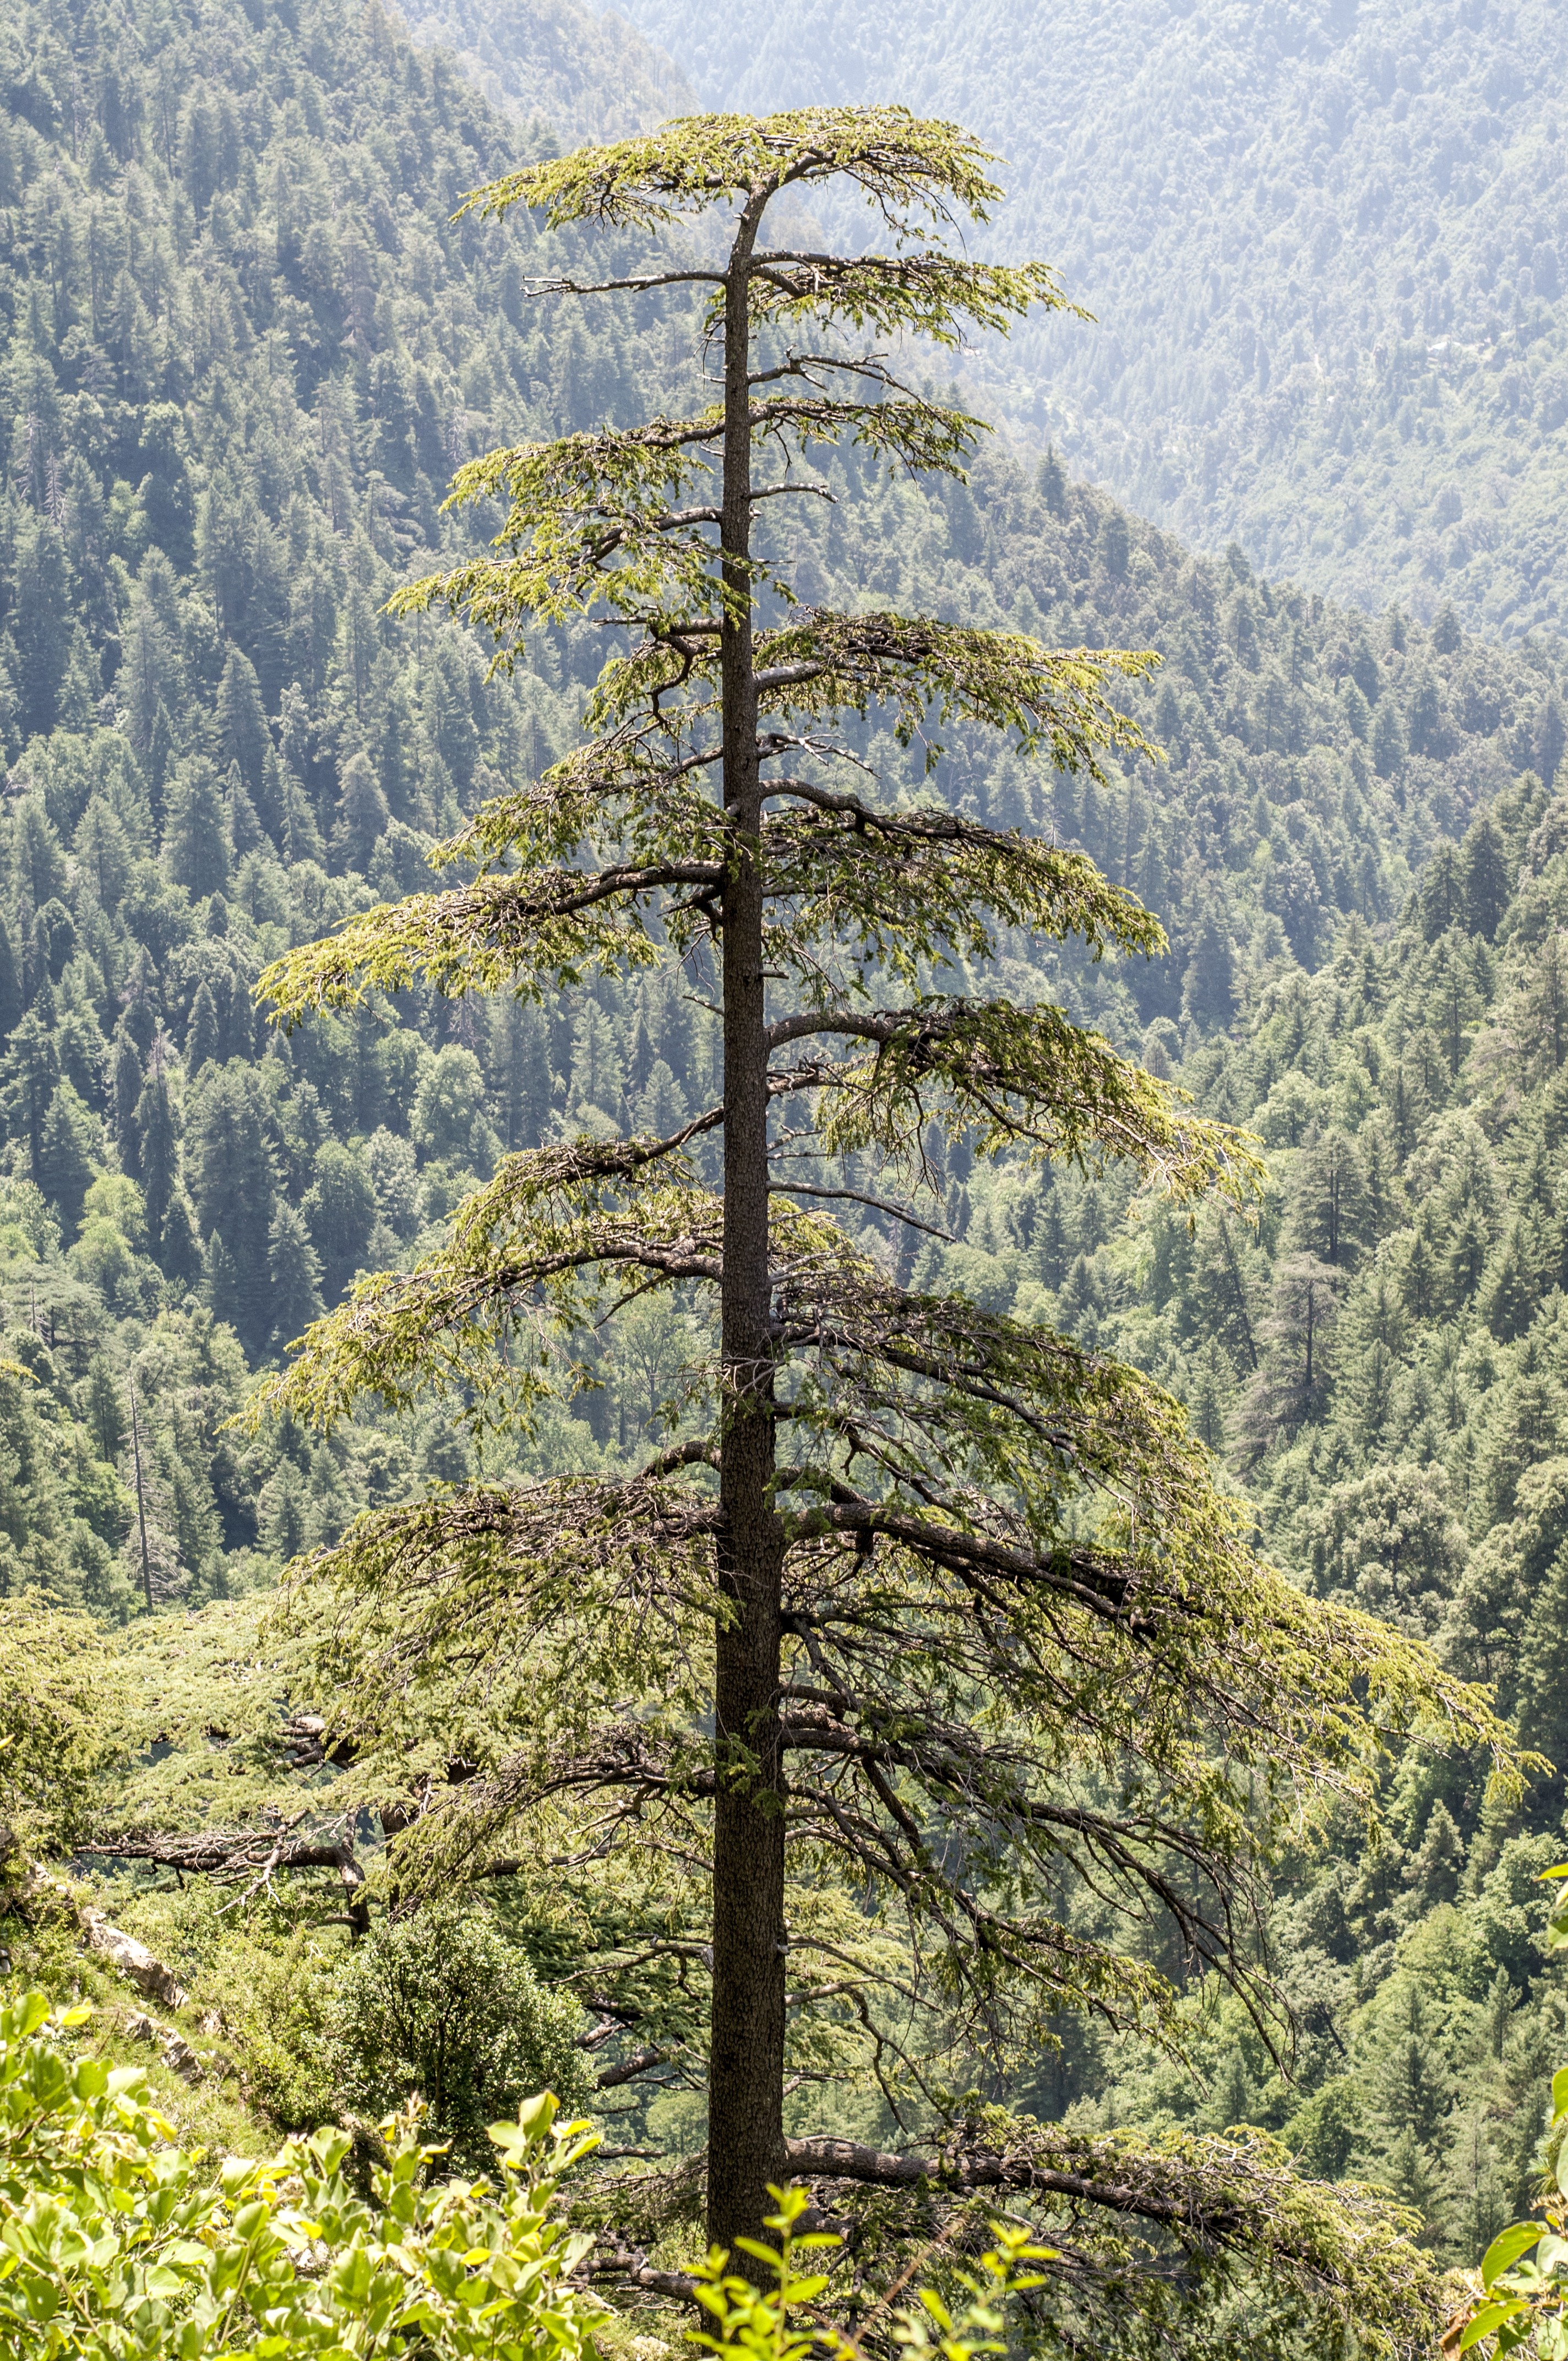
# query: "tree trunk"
745,2117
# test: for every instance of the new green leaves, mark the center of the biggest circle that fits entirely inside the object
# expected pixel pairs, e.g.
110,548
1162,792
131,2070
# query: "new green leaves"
1021,1078
606,518
690,165
116,2242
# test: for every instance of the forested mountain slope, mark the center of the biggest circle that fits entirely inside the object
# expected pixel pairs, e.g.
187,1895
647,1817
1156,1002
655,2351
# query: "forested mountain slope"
245,351
1327,248
588,75
1384,1365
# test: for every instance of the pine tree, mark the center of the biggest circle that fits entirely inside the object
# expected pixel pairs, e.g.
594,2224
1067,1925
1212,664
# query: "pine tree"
1550,739
11,1001
30,1071
1207,989
986,1562
158,1152
181,1246
246,831
233,1185
361,814
524,1080
67,1152
1442,898
203,1038
195,837
243,735
341,1212
1388,739
221,1283
302,837
1485,877
295,1273
1329,1213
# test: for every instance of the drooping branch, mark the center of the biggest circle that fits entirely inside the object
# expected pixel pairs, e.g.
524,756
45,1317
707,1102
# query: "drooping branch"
1023,1077
249,1858
497,933
1346,2245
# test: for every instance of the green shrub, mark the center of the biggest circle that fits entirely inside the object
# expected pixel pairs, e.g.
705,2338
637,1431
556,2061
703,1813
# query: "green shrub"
120,2246
440,2005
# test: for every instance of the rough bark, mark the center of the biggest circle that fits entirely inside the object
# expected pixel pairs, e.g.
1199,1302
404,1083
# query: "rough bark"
745,2145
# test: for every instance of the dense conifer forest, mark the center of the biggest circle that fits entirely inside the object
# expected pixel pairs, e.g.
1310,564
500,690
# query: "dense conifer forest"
1325,245
245,345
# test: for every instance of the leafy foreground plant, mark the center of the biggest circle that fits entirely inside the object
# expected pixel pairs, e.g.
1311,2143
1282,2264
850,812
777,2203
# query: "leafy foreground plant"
117,2246
1360,2285
981,1652
756,2323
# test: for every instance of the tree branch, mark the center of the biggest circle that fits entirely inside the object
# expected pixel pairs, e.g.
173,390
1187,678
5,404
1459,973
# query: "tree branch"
858,1197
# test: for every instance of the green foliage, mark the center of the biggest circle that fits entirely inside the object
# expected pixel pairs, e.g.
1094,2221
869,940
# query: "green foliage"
61,1696
440,2005
761,2325
245,349
116,982
1418,1477
1022,1658
1523,2299
120,2244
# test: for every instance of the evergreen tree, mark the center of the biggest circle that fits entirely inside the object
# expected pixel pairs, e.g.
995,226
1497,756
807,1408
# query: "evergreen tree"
244,738
1444,901
1329,1209
157,1150
195,837
1485,877
11,1001
341,1212
232,1186
30,1071
302,837
1292,1384
1550,738
66,1150
181,1246
1388,739
933,1646
295,1273
245,828
525,1084
203,1038
362,815
1208,988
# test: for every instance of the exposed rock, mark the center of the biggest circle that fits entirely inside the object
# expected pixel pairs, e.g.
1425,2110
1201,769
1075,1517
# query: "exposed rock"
175,2050
179,2057
132,1959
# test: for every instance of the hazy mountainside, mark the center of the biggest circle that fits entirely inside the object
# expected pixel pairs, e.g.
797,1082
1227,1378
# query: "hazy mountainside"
589,76
1327,248
243,351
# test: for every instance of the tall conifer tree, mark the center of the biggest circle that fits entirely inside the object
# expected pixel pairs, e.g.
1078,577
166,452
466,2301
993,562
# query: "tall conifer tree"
982,1626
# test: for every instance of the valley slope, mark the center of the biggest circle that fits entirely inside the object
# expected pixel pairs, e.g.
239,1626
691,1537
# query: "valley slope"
1326,246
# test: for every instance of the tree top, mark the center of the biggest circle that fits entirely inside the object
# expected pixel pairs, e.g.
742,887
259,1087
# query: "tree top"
897,159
